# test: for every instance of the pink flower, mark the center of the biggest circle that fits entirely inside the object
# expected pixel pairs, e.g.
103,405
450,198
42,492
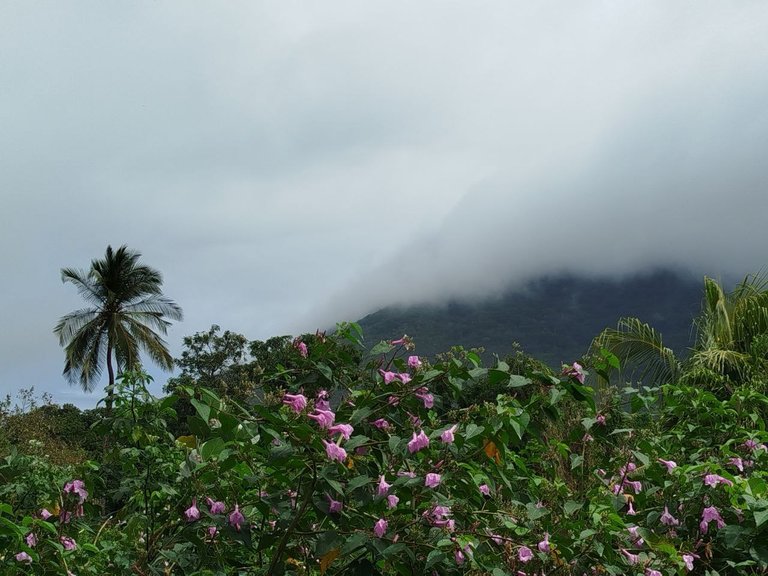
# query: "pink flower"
707,515
418,442
414,362
215,507
543,546
68,543
392,501
344,429
715,479
334,451
192,513
31,540
738,463
525,554
631,510
459,557
76,487
750,444
296,402
380,528
667,518
324,418
600,419
688,560
388,376
631,558
404,377
484,489
670,464
650,572
44,514
236,519
212,531
432,480
321,400
636,485
393,400
301,347
24,557
576,371
399,341
424,395
383,486
334,506
447,435
381,424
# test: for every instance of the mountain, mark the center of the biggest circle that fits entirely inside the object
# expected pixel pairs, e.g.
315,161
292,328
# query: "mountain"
553,318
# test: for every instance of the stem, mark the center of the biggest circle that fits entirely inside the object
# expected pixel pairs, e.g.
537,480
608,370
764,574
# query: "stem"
284,540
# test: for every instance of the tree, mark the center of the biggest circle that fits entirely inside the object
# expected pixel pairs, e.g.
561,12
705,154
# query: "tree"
127,313
215,361
731,340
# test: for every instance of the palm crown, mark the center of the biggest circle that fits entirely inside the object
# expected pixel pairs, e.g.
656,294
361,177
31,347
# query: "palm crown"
127,313
731,340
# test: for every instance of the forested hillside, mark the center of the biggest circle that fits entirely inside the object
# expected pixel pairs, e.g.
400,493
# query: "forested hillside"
553,319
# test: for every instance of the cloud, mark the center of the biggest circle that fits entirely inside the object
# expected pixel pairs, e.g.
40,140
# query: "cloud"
289,166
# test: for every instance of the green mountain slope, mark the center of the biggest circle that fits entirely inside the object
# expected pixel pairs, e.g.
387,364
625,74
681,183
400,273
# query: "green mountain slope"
554,319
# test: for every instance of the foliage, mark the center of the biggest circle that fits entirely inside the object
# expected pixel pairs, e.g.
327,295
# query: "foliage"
731,341
408,478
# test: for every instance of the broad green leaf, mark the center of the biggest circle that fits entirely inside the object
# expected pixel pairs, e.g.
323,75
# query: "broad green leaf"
572,506
202,409
212,448
517,381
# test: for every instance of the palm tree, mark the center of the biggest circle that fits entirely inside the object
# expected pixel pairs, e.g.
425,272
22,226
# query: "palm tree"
731,340
127,313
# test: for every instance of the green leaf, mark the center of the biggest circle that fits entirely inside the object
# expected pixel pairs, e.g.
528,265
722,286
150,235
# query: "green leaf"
358,481
202,409
496,376
382,347
761,516
354,542
434,557
325,370
520,423
517,381
359,414
642,457
571,506
472,430
212,448
576,461
355,441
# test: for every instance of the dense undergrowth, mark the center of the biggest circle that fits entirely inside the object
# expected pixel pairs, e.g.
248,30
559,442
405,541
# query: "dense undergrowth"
396,466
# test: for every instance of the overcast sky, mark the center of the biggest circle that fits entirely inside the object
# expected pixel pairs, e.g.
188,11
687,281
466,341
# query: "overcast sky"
290,164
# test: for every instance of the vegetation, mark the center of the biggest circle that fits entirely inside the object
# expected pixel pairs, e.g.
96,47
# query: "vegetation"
317,456
395,466
127,313
731,341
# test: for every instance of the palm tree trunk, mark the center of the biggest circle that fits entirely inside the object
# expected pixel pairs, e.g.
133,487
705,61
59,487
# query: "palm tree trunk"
111,385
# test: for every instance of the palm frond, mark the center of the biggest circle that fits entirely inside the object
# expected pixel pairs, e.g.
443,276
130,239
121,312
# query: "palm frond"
70,324
638,346
85,285
722,361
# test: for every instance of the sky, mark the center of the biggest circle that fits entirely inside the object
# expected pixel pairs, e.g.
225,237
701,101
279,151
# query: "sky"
287,165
